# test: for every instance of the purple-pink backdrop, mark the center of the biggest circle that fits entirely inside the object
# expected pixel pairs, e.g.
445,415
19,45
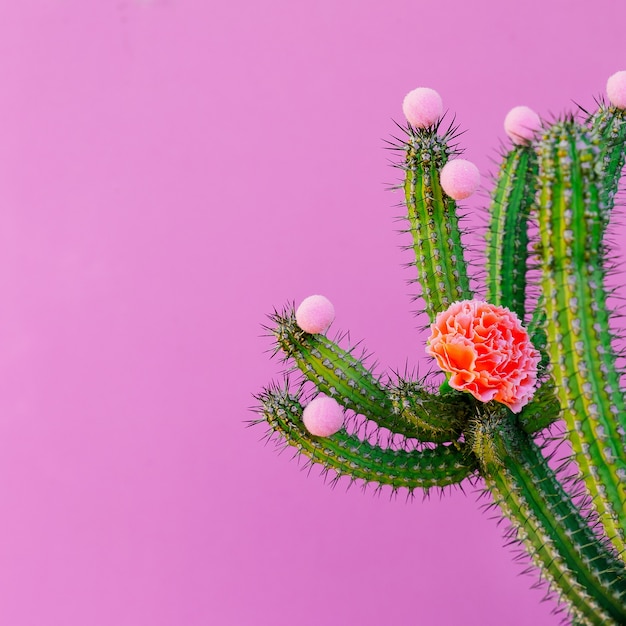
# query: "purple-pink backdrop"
171,170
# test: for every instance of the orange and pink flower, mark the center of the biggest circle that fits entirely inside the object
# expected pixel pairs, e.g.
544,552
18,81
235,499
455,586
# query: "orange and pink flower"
487,352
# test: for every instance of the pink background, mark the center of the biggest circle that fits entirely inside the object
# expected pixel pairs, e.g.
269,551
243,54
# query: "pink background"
169,172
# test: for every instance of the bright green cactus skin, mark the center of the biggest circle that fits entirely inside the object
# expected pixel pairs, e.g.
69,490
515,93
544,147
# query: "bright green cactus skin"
439,254
562,187
579,337
507,237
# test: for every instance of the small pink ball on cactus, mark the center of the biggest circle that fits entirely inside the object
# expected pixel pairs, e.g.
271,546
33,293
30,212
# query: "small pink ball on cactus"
459,178
323,416
422,107
616,89
315,314
521,125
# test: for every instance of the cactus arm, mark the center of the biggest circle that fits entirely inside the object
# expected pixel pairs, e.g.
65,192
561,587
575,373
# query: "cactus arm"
537,331
543,410
579,338
587,576
445,415
337,373
433,223
347,455
610,124
507,236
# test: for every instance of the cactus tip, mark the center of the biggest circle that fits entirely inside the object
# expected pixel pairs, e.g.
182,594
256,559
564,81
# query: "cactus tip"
521,123
315,314
459,178
422,107
323,416
616,89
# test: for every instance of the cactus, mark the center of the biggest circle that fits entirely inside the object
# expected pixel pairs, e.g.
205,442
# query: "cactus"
539,349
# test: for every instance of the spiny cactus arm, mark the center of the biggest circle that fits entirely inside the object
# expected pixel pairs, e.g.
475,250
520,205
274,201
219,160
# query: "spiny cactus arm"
347,455
582,359
433,222
542,411
537,331
337,373
610,124
446,415
507,236
587,576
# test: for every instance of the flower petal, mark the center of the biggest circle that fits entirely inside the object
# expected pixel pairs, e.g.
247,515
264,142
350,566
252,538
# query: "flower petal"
487,352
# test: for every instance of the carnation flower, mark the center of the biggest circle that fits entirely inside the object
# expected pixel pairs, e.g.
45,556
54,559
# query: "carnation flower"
487,352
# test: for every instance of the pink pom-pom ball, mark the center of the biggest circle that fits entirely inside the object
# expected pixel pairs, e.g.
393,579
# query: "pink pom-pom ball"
459,178
323,416
616,89
521,124
422,107
315,314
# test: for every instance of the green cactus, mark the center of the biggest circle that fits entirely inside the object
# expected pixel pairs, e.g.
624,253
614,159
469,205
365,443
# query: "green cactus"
547,260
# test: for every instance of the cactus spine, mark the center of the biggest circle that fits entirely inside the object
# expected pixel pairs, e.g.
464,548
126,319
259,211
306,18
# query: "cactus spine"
559,181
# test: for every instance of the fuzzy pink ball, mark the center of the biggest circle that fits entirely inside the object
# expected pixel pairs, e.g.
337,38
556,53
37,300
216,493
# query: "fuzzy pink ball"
459,178
315,314
422,107
521,123
616,89
323,416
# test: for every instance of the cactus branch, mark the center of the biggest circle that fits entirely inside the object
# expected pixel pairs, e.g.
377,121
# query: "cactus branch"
610,124
507,237
542,411
347,455
339,374
579,336
433,222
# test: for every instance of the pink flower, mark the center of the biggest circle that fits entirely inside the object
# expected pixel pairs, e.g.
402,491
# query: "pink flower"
487,352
